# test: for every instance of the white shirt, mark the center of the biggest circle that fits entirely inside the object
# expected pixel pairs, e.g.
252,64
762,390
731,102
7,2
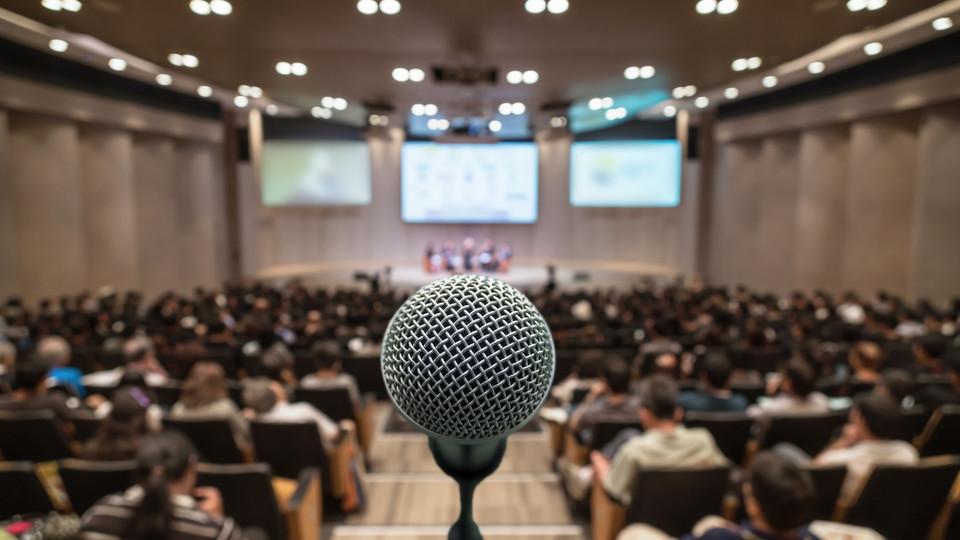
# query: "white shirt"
303,412
111,377
783,405
863,456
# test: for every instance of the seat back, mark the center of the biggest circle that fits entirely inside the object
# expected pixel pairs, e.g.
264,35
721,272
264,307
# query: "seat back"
604,432
750,391
333,402
731,431
98,390
212,437
248,495
579,394
811,433
22,491
85,425
827,482
765,360
942,436
901,503
673,500
87,482
290,447
911,423
167,394
32,436
898,356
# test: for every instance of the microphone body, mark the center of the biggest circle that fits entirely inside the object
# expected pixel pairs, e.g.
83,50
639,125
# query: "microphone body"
468,360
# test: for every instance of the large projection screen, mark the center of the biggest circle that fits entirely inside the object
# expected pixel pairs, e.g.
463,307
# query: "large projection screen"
315,173
625,173
469,183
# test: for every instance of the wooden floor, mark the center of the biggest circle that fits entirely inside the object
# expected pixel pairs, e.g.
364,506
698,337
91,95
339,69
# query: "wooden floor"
409,498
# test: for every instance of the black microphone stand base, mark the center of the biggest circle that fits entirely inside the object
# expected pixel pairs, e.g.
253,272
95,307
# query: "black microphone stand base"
468,464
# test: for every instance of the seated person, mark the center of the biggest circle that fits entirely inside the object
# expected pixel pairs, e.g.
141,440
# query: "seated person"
714,394
792,393
8,357
658,342
205,395
778,496
119,434
928,352
935,396
865,359
30,393
130,379
898,384
277,364
665,442
55,352
330,373
139,356
165,502
266,400
586,372
608,400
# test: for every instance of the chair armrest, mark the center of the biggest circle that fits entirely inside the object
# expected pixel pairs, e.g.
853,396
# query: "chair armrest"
576,453
304,509
556,437
248,453
339,457
606,515
753,446
365,425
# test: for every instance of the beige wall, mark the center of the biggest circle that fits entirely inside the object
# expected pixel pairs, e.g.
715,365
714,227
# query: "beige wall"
9,246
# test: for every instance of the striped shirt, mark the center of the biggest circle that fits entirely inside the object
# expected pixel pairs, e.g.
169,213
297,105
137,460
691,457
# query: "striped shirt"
112,516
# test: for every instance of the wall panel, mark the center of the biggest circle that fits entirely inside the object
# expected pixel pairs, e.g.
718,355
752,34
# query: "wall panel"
776,230
156,201
9,269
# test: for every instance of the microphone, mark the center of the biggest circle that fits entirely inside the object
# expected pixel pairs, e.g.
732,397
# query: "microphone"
468,360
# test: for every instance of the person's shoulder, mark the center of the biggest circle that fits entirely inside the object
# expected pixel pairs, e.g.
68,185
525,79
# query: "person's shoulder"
721,533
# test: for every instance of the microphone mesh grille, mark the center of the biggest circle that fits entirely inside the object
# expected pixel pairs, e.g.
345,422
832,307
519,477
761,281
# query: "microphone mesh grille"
468,357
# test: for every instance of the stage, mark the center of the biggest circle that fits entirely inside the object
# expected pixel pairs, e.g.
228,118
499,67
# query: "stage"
525,273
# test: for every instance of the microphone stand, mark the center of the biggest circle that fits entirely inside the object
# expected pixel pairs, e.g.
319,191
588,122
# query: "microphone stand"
468,464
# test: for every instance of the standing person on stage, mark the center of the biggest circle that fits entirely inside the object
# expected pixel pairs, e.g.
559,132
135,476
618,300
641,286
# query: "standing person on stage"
449,254
488,256
468,245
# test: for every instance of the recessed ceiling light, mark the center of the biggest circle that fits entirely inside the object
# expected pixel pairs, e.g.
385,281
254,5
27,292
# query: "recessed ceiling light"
726,7
943,23
702,102
175,59
374,119
117,64
558,122
505,109
495,126
59,45
321,112
183,60
390,7
164,79
816,67
535,6
856,5
256,92
558,6
690,90
515,77
72,5
367,7
873,48
679,93
754,62
740,64
241,101
874,5
530,76
55,5
611,114
221,7
443,124
401,74
607,102
433,123
340,104
327,102
647,71
200,7
243,90
430,109
417,75
769,81
595,104
731,93
384,120
204,91
706,6
631,73
669,111
298,68
284,68
272,109
418,109
518,108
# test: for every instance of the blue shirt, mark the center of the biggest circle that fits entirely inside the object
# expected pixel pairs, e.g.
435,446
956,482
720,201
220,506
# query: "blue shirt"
69,376
697,401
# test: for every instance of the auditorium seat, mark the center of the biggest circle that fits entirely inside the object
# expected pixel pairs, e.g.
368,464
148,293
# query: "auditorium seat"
579,394
235,391
731,431
750,391
212,437
902,503
292,447
765,360
827,482
811,433
337,404
898,356
32,436
85,425
578,452
98,390
942,433
22,491
253,498
911,423
167,394
86,482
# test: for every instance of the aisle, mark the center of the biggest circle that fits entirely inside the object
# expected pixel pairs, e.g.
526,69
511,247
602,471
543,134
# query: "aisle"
410,498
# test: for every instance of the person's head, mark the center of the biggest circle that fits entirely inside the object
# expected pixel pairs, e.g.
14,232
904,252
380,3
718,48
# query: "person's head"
616,376
8,356
590,364
30,375
258,395
137,350
54,350
896,383
875,415
866,356
327,356
659,330
276,363
778,494
166,465
798,378
658,402
929,349
205,384
118,436
716,370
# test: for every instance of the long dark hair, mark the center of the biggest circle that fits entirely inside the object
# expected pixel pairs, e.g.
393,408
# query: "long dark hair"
118,436
162,458
205,384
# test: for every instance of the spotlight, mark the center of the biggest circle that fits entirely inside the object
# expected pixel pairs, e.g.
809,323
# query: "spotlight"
872,5
505,109
72,5
726,7
690,90
417,75
873,49
535,6
856,5
530,76
595,104
340,104
705,7
204,91
55,5
647,71
816,67
401,74
367,7
443,124
515,77
495,126
669,111
430,109
298,68
256,92
631,73
390,7
518,108
769,81
754,62
740,64
117,64
327,102
433,123
175,59
943,23
558,6
702,102
241,101
200,7
418,109
679,93
164,79
611,114
221,7
284,68
607,102
58,45
731,93
189,61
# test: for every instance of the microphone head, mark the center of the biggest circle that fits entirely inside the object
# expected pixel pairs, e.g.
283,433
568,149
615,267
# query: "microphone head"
468,358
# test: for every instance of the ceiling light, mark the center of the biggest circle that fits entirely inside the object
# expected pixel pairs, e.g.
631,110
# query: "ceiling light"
284,68
401,74
943,23
417,75
595,104
515,77
611,114
200,7
327,102
58,45
558,122
243,90
71,5
390,7
374,119
702,102
726,7
321,112
272,109
690,90
117,64
769,81
340,104
175,59
505,109
816,67
873,49
418,109
622,112
430,109
558,6
241,101
872,5
367,7
433,123
221,7
530,76
518,108
384,120
495,126
256,92
55,5
856,5
535,6
706,6
731,93
631,73
189,61
607,102
669,111
647,71
443,124
754,62
298,68
679,93
740,64
164,79
204,91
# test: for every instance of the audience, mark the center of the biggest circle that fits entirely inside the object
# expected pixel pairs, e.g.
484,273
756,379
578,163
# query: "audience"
267,400
928,352
585,373
865,360
934,396
205,396
659,342
8,357
899,385
30,393
714,394
119,434
793,393
55,352
608,400
330,373
138,355
132,379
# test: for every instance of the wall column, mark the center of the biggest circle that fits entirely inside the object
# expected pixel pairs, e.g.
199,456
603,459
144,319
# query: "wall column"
9,270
